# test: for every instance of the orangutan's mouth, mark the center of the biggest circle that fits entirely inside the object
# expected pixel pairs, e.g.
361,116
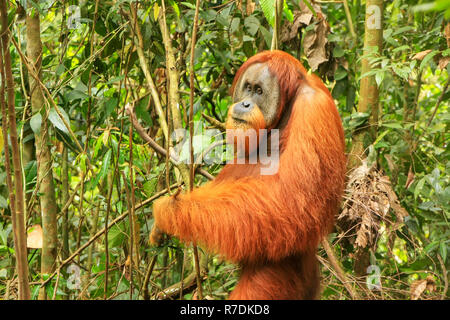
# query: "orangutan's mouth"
239,120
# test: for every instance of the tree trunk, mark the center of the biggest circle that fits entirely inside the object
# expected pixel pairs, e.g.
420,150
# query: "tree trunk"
368,103
368,93
43,155
65,213
16,188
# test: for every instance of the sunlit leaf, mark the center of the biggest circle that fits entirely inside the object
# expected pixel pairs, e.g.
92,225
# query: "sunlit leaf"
268,8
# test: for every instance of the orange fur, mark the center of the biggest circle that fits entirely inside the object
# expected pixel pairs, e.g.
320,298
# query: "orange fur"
271,225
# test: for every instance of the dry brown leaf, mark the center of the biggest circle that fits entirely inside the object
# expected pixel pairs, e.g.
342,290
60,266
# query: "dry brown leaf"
443,62
410,178
447,34
250,7
315,42
364,231
34,237
431,284
420,55
239,6
369,198
417,288
290,31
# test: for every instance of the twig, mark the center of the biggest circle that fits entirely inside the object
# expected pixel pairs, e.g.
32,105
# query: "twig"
189,284
340,273
276,28
56,284
140,51
219,125
147,278
349,19
155,146
49,99
444,271
103,231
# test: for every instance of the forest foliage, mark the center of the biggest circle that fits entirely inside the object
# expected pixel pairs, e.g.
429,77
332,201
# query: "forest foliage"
392,237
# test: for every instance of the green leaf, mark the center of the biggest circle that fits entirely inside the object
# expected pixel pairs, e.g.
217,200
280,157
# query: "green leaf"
401,71
443,250
98,144
34,4
252,24
175,7
358,118
379,76
224,16
30,172
268,36
340,74
402,29
189,5
427,58
288,12
338,52
81,161
60,69
235,24
104,169
431,246
424,7
105,164
310,7
419,187
3,202
401,48
116,234
268,8
76,94
56,120
36,123
149,187
393,125
411,224
380,137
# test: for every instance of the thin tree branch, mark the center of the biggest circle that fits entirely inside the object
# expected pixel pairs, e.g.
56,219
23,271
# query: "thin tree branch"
349,20
140,51
104,231
18,214
340,273
155,146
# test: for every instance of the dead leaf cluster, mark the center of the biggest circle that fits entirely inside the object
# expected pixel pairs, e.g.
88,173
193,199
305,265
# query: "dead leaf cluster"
316,46
249,7
440,60
418,287
368,200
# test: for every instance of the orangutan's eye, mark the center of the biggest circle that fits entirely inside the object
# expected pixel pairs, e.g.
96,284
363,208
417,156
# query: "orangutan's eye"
259,90
248,87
